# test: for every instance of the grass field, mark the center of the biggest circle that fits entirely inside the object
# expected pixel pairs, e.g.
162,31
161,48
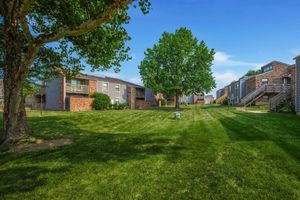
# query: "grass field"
211,153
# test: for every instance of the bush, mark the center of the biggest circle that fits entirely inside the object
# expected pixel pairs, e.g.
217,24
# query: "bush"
163,102
285,107
101,101
118,106
225,102
121,106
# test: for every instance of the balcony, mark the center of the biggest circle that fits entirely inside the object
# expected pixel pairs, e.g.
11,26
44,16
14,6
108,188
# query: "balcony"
77,89
140,93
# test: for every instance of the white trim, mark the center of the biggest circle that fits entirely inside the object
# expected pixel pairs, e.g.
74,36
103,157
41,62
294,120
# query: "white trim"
107,87
118,91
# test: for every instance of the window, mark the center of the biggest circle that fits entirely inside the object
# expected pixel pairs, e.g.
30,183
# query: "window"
117,100
117,87
267,68
105,87
265,98
77,82
264,81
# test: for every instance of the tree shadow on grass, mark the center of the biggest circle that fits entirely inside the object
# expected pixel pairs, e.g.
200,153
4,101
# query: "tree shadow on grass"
87,146
25,179
284,131
168,109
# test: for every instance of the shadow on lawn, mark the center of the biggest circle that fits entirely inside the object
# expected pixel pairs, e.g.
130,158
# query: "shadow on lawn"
265,126
24,179
169,109
88,146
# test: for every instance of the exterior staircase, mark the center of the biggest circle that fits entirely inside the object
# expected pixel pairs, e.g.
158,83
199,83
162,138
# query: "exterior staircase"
279,98
261,91
221,99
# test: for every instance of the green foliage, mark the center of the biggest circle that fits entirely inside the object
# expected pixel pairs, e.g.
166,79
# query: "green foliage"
253,72
178,63
163,102
121,106
101,101
31,88
285,107
118,106
225,102
104,47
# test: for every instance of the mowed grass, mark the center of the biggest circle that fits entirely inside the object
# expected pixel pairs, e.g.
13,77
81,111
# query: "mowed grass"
211,153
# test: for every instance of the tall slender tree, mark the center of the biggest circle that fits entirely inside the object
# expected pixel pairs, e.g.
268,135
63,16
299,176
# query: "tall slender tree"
179,64
80,31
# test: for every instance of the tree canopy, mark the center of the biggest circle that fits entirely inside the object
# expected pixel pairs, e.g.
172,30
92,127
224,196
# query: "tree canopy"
178,64
253,72
43,39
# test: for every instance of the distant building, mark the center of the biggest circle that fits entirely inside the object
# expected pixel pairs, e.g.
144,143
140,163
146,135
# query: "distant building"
209,99
275,84
75,94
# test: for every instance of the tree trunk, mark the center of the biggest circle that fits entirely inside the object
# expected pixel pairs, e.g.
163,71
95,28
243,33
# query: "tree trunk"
15,73
177,105
15,126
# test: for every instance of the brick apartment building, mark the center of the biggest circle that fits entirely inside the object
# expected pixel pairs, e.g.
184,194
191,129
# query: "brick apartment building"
272,75
74,94
275,83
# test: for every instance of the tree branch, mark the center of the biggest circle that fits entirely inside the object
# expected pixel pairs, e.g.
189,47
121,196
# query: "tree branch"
25,8
85,27
26,30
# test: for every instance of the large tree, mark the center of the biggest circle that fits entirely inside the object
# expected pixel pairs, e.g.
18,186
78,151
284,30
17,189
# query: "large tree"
179,64
42,38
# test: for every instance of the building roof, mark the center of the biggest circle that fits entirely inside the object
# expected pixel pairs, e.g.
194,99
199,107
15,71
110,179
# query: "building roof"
109,79
274,61
292,66
297,57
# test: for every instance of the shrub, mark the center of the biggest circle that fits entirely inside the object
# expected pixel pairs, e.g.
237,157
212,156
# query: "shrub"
163,102
118,106
101,101
225,102
285,107
121,106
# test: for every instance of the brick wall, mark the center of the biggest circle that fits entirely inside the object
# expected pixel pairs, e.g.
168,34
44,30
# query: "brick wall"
142,104
92,86
131,94
274,76
80,103
261,99
61,102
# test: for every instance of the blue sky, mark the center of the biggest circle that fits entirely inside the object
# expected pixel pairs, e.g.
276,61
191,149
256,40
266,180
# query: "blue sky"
245,33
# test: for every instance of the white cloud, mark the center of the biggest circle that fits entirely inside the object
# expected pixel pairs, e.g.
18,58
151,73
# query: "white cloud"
136,80
103,74
221,57
225,60
112,74
223,79
227,77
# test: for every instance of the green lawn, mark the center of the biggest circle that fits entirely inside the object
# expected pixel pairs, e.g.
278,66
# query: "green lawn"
211,153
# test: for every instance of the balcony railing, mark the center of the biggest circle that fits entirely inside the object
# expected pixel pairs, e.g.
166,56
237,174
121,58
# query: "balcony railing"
78,89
